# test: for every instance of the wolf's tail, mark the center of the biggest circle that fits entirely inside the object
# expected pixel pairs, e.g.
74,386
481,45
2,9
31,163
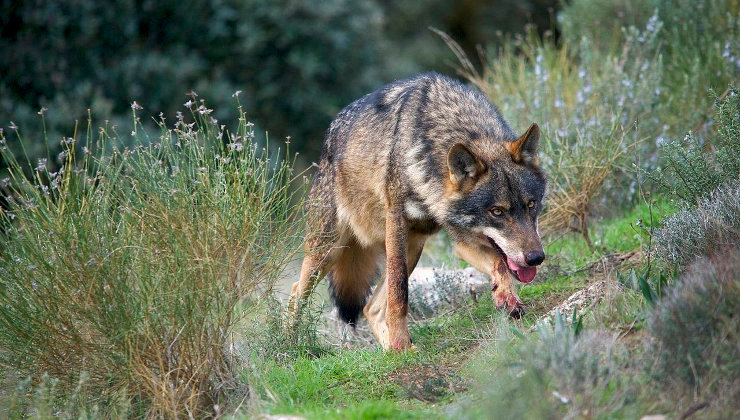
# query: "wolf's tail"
348,305
350,280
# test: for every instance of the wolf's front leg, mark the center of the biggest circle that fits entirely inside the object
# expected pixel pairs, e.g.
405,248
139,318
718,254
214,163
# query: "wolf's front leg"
490,262
397,280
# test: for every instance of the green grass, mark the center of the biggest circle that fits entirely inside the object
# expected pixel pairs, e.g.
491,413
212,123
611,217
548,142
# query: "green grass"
317,387
615,235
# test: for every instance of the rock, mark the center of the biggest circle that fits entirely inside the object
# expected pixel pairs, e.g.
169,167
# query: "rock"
580,301
434,289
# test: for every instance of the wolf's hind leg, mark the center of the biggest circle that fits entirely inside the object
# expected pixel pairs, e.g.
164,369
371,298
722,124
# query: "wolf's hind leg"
313,270
375,309
321,252
488,261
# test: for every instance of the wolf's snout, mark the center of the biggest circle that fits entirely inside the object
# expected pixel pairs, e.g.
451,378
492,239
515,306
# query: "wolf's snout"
534,258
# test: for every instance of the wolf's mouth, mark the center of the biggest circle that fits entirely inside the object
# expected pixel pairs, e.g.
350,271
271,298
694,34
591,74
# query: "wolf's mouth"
521,273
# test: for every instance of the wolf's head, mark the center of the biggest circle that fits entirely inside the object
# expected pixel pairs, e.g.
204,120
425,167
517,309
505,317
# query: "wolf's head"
495,199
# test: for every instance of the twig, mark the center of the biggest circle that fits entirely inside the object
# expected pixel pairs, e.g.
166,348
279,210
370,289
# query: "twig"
693,409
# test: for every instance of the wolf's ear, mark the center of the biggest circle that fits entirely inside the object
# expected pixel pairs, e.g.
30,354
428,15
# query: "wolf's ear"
463,165
524,149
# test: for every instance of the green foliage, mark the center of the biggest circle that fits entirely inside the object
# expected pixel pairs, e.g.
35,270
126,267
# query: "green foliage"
601,21
269,339
699,47
298,62
694,166
127,264
696,327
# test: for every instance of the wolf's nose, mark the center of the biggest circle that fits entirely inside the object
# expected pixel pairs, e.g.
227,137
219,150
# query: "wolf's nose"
534,257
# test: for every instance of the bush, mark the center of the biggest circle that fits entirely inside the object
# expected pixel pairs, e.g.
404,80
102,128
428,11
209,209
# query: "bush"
694,166
126,264
704,177
709,228
696,327
698,47
298,62
555,375
601,21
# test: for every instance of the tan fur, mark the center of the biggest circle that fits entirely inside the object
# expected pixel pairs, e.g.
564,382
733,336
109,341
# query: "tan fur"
486,260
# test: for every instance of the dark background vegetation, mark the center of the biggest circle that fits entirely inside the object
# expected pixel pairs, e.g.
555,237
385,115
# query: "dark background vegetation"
297,62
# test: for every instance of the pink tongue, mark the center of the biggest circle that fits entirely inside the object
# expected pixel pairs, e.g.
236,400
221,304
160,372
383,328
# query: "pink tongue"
526,274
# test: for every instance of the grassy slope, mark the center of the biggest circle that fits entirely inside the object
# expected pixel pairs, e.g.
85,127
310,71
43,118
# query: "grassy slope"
371,384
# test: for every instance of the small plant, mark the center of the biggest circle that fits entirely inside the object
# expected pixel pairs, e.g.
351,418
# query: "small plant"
651,288
270,339
127,263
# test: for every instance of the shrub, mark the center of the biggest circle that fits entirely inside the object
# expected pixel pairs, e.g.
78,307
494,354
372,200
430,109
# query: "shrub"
711,227
69,56
601,21
555,375
126,264
698,47
694,166
695,326
269,339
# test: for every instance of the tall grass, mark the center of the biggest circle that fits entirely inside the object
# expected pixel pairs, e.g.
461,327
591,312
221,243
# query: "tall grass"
127,263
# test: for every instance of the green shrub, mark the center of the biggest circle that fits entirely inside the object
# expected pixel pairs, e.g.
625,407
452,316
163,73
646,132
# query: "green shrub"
126,264
699,48
601,21
695,326
298,62
692,167
269,339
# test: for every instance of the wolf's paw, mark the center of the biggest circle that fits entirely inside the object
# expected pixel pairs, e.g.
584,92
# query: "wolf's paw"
399,339
510,302
400,344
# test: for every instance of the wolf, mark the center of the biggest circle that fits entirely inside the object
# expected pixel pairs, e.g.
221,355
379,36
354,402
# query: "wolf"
398,165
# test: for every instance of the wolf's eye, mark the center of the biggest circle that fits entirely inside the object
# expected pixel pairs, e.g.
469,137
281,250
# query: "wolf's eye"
496,211
530,204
